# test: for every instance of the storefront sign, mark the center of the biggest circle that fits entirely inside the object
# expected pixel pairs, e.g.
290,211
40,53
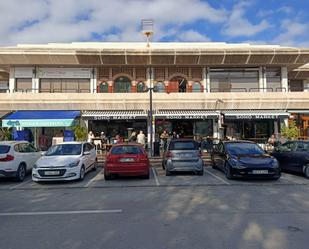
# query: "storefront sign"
23,72
116,117
38,123
252,116
64,73
184,117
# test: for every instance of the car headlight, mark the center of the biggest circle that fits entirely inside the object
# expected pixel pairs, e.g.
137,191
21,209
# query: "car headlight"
235,164
35,166
73,164
275,164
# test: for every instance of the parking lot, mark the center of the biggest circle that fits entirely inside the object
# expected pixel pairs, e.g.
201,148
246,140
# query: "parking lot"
157,179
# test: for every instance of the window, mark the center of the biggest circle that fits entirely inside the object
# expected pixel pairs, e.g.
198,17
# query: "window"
160,87
103,87
289,146
65,85
134,150
4,149
23,85
183,145
234,80
122,85
273,79
141,87
196,87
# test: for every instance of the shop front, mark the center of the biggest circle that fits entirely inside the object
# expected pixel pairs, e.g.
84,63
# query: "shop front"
43,128
113,123
195,124
301,119
255,125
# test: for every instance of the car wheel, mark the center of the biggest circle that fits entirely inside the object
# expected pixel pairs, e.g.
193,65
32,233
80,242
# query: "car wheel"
228,173
306,171
82,173
167,172
107,177
21,173
200,172
95,165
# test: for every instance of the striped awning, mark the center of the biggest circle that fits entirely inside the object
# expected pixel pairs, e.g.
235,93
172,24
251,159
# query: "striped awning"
186,114
114,115
255,114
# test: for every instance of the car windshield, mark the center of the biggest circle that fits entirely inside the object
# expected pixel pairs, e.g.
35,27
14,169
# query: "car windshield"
4,149
244,149
64,150
135,150
183,145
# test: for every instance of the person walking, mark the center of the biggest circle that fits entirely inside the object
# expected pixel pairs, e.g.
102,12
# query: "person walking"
90,137
141,138
164,137
133,138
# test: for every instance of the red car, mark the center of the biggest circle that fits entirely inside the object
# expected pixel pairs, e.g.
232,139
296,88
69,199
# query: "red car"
127,160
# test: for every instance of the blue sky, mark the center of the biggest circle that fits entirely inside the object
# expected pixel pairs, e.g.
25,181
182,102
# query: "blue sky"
255,21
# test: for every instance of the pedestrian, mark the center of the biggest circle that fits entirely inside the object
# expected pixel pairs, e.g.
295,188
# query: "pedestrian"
164,136
103,140
133,138
175,135
272,140
141,139
118,139
90,137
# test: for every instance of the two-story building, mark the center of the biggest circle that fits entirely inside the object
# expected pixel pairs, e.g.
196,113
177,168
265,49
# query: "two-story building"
201,89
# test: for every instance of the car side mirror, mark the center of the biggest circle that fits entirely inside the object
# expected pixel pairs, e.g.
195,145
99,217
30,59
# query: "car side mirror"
86,153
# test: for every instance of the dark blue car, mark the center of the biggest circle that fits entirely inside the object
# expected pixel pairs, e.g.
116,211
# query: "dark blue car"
244,159
293,156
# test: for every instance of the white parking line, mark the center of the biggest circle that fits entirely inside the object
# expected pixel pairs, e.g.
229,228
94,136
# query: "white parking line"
62,212
217,177
155,176
21,184
98,176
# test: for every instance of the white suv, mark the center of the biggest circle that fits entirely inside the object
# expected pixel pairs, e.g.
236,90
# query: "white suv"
17,158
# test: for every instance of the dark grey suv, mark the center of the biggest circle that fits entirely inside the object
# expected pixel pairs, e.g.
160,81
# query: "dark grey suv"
183,155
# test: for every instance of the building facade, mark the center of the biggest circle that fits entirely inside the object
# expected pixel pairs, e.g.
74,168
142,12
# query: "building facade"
200,89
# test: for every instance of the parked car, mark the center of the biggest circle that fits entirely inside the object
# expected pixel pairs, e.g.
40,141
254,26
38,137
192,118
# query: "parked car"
128,159
244,159
17,158
293,156
183,155
65,161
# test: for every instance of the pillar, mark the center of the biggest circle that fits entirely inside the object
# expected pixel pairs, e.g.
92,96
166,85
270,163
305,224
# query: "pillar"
206,79
35,81
262,79
93,81
284,79
12,80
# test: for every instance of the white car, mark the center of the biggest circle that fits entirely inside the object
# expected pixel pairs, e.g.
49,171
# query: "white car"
17,158
65,161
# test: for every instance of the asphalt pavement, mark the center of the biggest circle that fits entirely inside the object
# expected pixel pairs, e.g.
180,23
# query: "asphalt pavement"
183,211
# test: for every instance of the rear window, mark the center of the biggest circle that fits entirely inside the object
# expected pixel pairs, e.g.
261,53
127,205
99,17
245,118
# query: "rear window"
134,150
4,149
184,145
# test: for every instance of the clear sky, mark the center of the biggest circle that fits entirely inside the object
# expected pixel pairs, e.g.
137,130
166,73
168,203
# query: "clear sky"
284,22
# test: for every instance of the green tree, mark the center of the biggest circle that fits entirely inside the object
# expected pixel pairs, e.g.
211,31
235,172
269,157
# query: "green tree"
5,134
80,133
291,131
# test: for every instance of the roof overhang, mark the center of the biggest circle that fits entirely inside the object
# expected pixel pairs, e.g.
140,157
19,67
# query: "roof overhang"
106,54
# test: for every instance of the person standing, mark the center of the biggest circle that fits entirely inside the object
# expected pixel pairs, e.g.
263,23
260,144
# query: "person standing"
175,135
164,137
141,138
90,137
133,138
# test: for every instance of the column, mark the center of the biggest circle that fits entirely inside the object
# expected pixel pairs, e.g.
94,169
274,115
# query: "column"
12,80
93,81
35,81
206,79
216,133
284,79
148,79
262,79
306,85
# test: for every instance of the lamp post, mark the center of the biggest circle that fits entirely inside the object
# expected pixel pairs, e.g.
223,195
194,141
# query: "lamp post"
150,90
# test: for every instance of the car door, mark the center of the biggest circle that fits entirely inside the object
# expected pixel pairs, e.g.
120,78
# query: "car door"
25,154
284,154
299,157
93,154
86,157
36,154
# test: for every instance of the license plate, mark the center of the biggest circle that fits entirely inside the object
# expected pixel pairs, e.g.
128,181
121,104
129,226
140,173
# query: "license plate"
126,160
185,155
259,171
52,173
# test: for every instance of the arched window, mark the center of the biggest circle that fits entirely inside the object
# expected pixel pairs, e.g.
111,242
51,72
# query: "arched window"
122,85
140,87
103,87
196,87
160,87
